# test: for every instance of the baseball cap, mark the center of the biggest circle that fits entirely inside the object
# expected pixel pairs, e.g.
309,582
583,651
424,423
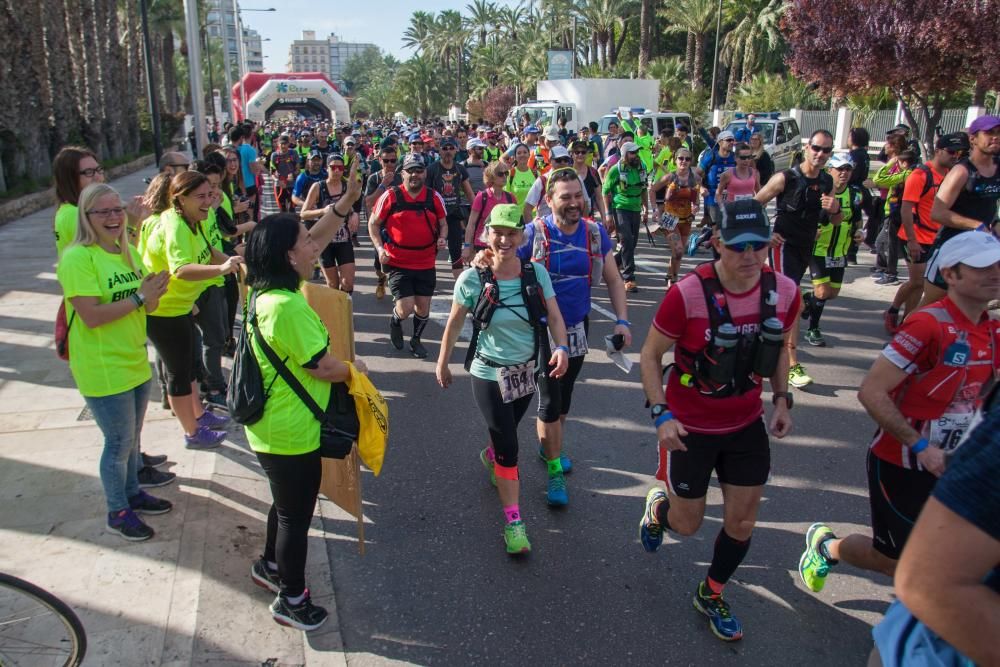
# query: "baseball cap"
304,134
580,145
726,134
956,141
474,143
413,160
630,147
984,123
350,140
976,249
507,215
840,160
415,136
313,154
744,221
531,129
449,141
552,134
559,153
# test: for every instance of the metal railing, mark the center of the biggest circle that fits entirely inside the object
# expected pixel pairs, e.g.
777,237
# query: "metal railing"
810,121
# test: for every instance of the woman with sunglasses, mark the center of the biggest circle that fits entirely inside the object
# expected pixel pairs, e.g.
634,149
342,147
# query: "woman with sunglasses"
494,178
337,258
107,294
680,203
741,181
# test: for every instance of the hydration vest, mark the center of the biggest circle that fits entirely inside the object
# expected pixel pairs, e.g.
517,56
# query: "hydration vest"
540,249
489,301
792,201
978,199
426,206
689,362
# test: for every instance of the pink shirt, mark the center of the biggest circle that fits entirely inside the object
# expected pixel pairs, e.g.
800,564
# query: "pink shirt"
483,204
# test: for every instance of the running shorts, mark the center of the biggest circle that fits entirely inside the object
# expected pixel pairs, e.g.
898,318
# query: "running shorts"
791,261
337,254
896,496
821,273
405,283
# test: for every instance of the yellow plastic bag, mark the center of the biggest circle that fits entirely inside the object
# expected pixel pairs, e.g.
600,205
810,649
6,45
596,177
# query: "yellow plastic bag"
373,416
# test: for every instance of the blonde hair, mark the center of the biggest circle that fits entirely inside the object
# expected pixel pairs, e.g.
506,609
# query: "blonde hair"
85,233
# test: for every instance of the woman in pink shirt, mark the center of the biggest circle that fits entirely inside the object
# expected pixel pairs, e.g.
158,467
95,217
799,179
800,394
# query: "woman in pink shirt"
743,180
494,178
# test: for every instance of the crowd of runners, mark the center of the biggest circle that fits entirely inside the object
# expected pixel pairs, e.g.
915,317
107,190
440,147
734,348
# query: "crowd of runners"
533,221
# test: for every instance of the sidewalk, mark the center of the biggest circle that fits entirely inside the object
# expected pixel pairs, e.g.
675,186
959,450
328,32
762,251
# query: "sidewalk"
184,597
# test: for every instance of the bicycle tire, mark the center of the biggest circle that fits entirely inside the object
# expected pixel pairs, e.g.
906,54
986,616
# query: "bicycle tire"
76,636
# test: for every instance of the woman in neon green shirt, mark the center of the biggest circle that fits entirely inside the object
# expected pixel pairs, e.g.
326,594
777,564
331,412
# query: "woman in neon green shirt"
177,244
522,177
73,169
281,254
107,298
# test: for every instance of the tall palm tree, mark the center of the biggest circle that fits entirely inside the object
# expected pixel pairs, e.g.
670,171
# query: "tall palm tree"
448,40
416,36
510,20
696,18
646,19
754,40
481,19
607,20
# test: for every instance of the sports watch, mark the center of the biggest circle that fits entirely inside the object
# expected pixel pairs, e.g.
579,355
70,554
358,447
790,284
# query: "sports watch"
787,395
658,410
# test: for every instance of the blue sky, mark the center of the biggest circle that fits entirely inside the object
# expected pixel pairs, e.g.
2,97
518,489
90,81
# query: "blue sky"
381,23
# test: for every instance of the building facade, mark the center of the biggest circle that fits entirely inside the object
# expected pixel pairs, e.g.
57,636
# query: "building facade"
328,55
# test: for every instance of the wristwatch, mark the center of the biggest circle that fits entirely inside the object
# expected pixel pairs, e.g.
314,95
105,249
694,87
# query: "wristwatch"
787,395
657,410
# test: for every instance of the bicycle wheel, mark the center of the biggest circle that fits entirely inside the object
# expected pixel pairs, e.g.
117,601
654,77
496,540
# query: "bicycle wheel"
37,629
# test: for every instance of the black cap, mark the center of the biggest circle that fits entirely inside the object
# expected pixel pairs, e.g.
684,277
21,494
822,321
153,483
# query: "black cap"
744,221
956,141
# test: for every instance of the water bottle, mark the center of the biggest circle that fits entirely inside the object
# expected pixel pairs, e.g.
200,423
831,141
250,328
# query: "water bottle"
770,340
722,354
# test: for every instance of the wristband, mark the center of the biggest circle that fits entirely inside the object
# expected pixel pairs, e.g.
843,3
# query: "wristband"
663,419
466,245
919,446
563,348
137,300
624,323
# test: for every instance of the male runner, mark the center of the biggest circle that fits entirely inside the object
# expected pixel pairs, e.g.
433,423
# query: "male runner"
625,199
450,180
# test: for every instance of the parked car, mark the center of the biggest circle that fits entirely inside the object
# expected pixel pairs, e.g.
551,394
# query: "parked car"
782,138
653,121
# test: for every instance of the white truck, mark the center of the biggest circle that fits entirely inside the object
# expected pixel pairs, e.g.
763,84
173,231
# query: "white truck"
581,101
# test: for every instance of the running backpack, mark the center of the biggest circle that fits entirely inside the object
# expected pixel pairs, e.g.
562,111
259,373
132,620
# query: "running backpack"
540,249
426,206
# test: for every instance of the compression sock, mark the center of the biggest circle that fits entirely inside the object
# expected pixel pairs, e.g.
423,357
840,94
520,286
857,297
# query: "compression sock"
396,320
419,324
713,587
554,466
728,555
816,312
807,301
512,513
662,510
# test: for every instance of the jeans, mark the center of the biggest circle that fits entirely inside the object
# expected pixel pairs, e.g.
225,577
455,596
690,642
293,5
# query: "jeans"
627,223
120,417
211,320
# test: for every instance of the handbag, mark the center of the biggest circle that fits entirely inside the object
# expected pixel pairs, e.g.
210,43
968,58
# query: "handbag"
339,425
62,331
246,396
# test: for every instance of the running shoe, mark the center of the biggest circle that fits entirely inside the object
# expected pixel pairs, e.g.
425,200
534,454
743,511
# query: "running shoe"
797,377
217,398
150,477
806,305
567,464
396,333
720,619
489,464
303,616
129,526
265,577
815,338
515,536
143,503
888,279
380,288
153,460
204,438
891,321
650,532
555,493
417,349
813,566
212,420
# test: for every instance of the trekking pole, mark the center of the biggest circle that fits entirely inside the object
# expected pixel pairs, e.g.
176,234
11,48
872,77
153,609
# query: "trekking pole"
649,234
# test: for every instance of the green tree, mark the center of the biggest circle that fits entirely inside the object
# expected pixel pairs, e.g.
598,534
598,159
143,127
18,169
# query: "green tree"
482,19
754,42
696,19
365,67
769,92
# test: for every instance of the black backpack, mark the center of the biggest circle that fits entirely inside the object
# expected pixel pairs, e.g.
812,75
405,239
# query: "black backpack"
246,396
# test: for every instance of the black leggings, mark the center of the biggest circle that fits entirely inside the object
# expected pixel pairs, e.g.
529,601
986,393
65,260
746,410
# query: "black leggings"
174,339
294,481
501,419
556,394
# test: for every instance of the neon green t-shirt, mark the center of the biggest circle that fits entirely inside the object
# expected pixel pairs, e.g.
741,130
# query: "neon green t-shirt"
109,359
210,228
148,225
170,245
627,196
663,158
645,143
65,227
835,240
519,184
298,336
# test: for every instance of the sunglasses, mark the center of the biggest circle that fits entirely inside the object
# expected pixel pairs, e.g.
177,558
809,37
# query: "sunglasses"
336,167
746,157
955,151
580,152
390,160
448,148
500,173
729,141
414,170
682,159
821,149
756,246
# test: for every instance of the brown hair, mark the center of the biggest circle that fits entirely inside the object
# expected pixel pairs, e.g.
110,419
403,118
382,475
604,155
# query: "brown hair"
898,142
183,185
157,196
66,172
490,172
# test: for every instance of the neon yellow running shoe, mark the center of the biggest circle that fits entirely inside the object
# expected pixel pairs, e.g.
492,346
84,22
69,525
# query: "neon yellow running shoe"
813,566
798,378
515,535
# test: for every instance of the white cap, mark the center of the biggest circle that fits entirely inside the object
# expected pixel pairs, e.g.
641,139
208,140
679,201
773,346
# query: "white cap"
975,249
629,147
726,134
552,133
474,143
559,152
840,160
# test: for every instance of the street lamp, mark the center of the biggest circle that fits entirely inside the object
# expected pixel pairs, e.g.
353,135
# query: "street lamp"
715,61
242,49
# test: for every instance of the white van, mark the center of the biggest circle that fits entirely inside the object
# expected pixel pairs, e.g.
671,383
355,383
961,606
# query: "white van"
654,121
781,136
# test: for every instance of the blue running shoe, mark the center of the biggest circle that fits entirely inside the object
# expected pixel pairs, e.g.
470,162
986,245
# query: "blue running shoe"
556,493
722,622
650,532
567,464
212,420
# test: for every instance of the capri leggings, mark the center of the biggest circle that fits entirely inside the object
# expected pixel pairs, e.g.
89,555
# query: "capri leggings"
501,419
556,394
174,339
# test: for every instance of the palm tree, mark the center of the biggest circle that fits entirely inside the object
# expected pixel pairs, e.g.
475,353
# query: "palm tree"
417,34
448,38
646,18
166,20
672,76
482,18
753,41
607,19
697,19
510,20
419,87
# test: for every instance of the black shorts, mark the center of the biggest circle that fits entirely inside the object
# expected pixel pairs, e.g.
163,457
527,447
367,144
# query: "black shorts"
175,341
896,496
822,274
790,260
405,283
742,458
337,254
556,394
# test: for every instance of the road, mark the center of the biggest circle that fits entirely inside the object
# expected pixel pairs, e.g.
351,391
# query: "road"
436,586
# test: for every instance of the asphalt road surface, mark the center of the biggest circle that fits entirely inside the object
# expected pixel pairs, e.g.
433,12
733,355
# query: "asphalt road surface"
437,587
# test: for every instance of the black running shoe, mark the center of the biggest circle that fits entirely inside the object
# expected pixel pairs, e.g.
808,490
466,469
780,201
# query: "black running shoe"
143,503
303,616
126,524
150,477
153,460
396,333
417,349
265,577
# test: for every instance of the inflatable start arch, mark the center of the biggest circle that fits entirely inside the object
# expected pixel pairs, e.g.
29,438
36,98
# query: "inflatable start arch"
266,93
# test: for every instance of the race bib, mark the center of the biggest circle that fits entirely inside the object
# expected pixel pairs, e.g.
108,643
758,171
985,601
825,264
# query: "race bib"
516,381
947,430
836,262
668,222
576,340
742,197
